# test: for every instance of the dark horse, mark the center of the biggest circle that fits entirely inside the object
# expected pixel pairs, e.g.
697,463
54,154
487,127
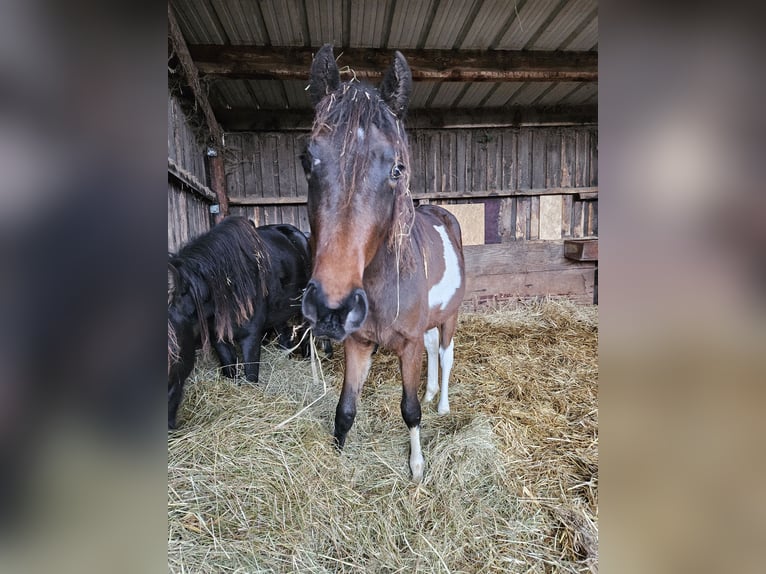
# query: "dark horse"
230,286
383,271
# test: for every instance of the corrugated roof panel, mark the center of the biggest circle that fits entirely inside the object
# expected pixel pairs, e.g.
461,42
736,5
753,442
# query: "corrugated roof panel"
410,19
284,21
270,94
563,25
587,94
240,22
446,94
325,22
198,24
586,39
297,96
475,94
526,23
448,21
559,91
504,92
233,94
528,94
368,23
487,24
421,91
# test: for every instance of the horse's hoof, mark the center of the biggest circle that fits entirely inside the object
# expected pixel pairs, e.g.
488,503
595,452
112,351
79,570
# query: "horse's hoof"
443,409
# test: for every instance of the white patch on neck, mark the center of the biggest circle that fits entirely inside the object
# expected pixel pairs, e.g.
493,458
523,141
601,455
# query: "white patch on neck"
317,161
441,294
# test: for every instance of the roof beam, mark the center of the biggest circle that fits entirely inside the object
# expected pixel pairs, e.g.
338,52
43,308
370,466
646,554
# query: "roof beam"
255,62
301,120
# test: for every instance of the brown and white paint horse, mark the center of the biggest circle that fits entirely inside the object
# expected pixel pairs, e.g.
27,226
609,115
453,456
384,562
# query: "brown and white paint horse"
383,272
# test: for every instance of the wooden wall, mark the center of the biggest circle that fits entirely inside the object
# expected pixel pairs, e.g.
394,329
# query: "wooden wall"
189,199
513,166
519,191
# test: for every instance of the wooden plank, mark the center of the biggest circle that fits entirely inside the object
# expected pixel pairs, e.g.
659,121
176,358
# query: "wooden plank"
553,160
566,216
522,218
509,160
550,216
593,158
577,219
188,180
581,249
479,161
524,176
572,282
492,220
471,219
568,148
515,257
534,217
449,156
293,63
483,194
539,158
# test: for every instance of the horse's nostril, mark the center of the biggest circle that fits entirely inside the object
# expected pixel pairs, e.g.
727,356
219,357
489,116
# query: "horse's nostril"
309,302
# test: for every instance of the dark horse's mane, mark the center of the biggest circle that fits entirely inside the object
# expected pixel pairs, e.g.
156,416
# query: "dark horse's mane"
220,266
341,113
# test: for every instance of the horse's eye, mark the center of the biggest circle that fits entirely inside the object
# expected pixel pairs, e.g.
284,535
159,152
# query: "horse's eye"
396,171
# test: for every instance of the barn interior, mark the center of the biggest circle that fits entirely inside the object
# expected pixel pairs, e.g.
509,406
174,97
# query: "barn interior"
503,123
503,129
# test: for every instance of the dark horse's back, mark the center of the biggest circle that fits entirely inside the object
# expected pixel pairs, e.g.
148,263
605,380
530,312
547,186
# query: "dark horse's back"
290,265
228,287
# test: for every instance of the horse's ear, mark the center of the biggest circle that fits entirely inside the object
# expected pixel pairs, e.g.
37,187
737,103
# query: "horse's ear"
325,77
397,86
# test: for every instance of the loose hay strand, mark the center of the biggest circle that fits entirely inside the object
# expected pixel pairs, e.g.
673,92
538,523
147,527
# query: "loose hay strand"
316,374
511,480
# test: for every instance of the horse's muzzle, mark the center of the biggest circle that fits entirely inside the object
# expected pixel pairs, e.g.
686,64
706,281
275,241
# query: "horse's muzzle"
336,322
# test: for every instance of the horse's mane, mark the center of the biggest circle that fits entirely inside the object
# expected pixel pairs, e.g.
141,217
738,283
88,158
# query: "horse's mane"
228,266
341,113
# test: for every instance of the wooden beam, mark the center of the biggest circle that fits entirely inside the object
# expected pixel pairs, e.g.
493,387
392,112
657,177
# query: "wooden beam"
435,196
188,180
581,249
217,180
292,63
250,120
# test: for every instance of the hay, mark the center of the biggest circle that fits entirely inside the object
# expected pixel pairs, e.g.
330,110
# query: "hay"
511,479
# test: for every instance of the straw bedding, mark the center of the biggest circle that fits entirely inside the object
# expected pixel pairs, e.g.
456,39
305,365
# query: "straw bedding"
511,479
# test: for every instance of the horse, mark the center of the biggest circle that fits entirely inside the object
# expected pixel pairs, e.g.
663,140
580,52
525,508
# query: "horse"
230,286
383,271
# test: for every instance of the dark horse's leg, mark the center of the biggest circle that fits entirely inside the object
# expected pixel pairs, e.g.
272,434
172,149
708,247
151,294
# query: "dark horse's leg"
176,379
227,354
251,350
410,359
358,355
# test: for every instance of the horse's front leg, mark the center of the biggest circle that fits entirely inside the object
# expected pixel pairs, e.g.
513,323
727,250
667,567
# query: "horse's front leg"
251,351
358,359
409,362
227,355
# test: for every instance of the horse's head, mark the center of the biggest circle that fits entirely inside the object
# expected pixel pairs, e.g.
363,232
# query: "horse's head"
357,167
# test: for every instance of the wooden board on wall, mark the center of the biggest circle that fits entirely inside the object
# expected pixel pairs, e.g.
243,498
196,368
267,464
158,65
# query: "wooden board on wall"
526,269
550,216
471,219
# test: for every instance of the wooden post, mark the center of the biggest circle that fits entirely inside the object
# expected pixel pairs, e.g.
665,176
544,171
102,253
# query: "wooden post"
217,174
